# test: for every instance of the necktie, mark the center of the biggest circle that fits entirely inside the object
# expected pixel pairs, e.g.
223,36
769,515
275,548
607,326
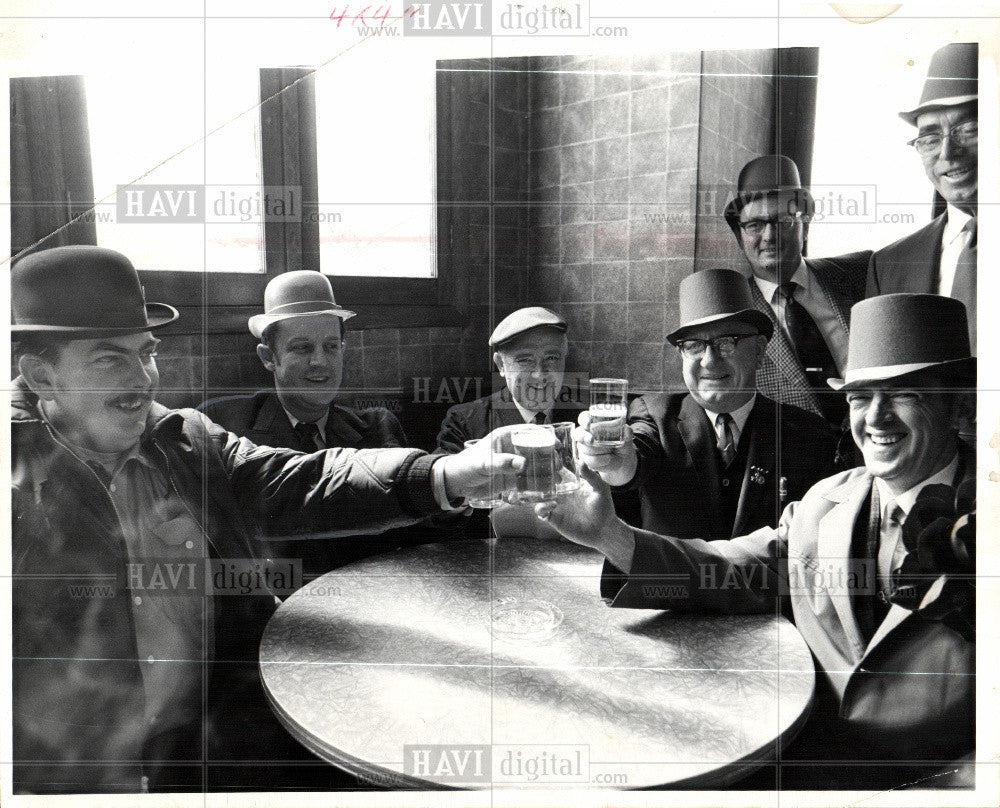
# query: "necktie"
307,433
963,287
725,432
539,418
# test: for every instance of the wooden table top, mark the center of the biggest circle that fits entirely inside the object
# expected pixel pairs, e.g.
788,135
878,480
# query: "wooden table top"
389,668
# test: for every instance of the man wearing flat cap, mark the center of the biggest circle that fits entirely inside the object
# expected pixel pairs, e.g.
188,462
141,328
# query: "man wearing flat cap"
529,351
877,563
940,257
301,335
150,681
808,300
722,459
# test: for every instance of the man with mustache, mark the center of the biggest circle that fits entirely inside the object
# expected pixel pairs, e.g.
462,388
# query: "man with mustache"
940,257
135,662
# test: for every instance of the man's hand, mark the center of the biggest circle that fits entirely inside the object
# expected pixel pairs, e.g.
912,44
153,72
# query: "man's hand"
616,464
588,518
474,472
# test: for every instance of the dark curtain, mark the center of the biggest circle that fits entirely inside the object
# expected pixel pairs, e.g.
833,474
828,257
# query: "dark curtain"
52,184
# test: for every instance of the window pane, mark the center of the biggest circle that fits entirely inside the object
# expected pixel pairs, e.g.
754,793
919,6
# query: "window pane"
376,146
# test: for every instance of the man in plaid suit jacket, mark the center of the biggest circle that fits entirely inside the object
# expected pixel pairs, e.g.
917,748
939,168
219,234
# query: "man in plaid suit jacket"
808,300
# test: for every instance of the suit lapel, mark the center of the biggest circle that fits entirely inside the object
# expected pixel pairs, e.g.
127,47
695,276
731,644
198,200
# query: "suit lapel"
272,422
340,428
699,440
760,462
835,532
840,303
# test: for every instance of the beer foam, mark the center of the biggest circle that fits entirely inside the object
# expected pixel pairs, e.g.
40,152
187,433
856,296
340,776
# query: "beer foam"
540,439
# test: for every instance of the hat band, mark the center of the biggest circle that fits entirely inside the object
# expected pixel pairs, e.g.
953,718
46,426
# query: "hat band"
303,307
885,371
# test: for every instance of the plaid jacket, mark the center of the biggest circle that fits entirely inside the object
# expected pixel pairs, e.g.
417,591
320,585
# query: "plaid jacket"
781,375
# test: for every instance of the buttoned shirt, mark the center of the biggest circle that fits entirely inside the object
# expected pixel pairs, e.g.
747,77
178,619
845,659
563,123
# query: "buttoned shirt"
814,300
739,417
953,239
320,425
529,415
891,550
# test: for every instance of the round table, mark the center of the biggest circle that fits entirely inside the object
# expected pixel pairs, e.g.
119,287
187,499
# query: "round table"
388,668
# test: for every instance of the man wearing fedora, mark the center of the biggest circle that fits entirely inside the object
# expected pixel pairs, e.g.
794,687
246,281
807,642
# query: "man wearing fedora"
808,300
127,673
709,463
940,257
301,335
529,348
873,561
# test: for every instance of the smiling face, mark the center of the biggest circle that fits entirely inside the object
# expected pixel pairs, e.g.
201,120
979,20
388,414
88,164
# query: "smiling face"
306,356
724,383
954,170
775,253
905,434
97,392
532,365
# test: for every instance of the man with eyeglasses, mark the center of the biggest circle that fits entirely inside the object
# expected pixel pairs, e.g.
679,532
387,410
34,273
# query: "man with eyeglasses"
940,257
722,459
807,300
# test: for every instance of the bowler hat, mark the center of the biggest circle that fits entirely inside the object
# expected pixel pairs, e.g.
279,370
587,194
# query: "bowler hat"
952,79
296,294
896,337
522,320
764,176
714,295
81,292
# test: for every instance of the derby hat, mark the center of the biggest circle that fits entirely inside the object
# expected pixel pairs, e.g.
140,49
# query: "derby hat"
714,295
952,79
897,337
300,293
771,174
522,320
81,292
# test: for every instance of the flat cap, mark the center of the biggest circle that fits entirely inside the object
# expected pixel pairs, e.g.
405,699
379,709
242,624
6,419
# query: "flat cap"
516,323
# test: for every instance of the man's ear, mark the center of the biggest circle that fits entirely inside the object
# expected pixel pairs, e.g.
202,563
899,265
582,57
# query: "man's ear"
267,357
39,375
498,361
761,342
963,413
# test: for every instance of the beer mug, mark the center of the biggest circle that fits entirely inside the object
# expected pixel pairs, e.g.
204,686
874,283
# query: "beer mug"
568,476
538,480
608,410
493,500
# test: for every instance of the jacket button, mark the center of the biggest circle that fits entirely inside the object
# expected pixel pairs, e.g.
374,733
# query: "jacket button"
725,482
137,600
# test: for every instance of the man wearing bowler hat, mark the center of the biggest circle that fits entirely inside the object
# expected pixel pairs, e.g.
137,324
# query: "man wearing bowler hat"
940,257
529,350
301,335
128,674
722,459
808,300
876,562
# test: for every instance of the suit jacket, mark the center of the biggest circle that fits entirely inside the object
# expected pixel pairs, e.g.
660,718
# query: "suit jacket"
781,375
909,690
261,418
678,478
476,419
911,264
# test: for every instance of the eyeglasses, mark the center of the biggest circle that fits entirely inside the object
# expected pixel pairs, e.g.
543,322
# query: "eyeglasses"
965,134
723,346
754,227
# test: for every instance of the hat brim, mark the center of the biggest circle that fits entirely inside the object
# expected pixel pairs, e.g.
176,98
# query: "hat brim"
911,116
752,317
963,370
259,323
158,315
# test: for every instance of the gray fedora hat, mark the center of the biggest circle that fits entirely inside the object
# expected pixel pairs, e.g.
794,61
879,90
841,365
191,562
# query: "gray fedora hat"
952,79
81,292
897,337
714,295
299,293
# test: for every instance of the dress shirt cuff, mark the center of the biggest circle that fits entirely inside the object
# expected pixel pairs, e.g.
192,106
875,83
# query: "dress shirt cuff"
440,493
